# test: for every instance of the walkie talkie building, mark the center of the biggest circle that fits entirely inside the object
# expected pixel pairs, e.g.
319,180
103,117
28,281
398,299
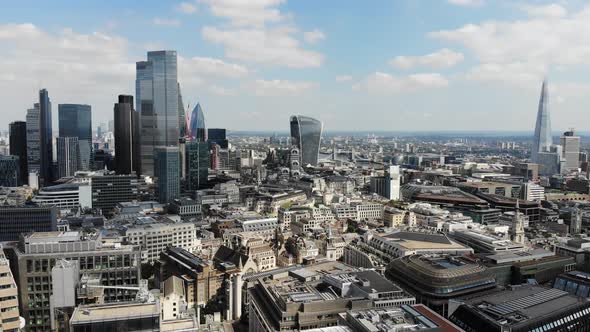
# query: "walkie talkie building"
306,134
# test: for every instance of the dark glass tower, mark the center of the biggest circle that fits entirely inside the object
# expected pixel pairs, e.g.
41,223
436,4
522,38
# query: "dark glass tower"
75,120
217,136
18,147
167,170
198,124
127,146
67,156
181,115
45,139
306,134
197,164
156,93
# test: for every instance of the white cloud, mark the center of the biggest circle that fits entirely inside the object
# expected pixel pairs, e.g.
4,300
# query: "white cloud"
221,91
521,74
343,78
79,68
272,46
203,66
280,87
258,32
559,41
466,3
186,7
247,12
383,83
443,58
547,11
313,36
166,22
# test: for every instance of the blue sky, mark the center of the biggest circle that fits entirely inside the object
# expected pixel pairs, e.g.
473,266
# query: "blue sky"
356,65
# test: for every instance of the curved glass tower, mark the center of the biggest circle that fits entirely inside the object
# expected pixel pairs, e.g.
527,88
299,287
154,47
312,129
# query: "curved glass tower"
542,140
306,134
197,124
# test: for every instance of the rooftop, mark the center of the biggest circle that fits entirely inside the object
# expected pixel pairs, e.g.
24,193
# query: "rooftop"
124,311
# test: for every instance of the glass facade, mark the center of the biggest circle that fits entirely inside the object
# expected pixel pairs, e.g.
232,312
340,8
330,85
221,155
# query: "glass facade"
67,156
75,120
126,123
167,169
157,98
542,140
33,140
197,168
9,171
198,124
46,138
306,134
18,147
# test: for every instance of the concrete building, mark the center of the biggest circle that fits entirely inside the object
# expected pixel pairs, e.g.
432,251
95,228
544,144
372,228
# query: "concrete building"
109,189
523,308
153,238
570,144
314,296
65,197
37,253
9,313
129,316
435,279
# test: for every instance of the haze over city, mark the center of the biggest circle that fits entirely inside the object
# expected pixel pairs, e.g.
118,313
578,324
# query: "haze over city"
404,65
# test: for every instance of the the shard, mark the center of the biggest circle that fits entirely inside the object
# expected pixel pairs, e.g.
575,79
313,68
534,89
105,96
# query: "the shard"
542,140
197,127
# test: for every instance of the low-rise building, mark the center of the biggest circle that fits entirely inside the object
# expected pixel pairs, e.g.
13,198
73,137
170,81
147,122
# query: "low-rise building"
153,238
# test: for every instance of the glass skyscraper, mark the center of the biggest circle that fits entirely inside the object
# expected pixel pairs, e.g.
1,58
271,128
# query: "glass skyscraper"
197,164
542,140
167,170
33,140
45,138
75,120
67,156
18,147
156,93
306,134
127,156
198,124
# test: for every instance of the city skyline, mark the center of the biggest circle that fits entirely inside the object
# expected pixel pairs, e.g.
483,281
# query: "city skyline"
418,70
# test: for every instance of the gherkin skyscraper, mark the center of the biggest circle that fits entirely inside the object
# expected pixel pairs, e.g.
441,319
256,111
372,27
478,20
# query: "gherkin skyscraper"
542,140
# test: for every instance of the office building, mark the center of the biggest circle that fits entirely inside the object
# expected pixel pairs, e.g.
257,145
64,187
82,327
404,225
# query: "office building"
127,139
9,313
532,192
217,136
306,134
46,138
156,93
542,139
128,316
197,168
570,145
17,220
65,197
33,141
167,171
18,147
197,127
417,317
435,279
182,126
9,171
37,253
67,156
523,308
153,238
200,278
320,293
75,120
387,186
109,189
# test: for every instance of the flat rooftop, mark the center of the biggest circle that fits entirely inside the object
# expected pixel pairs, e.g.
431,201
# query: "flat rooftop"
86,314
